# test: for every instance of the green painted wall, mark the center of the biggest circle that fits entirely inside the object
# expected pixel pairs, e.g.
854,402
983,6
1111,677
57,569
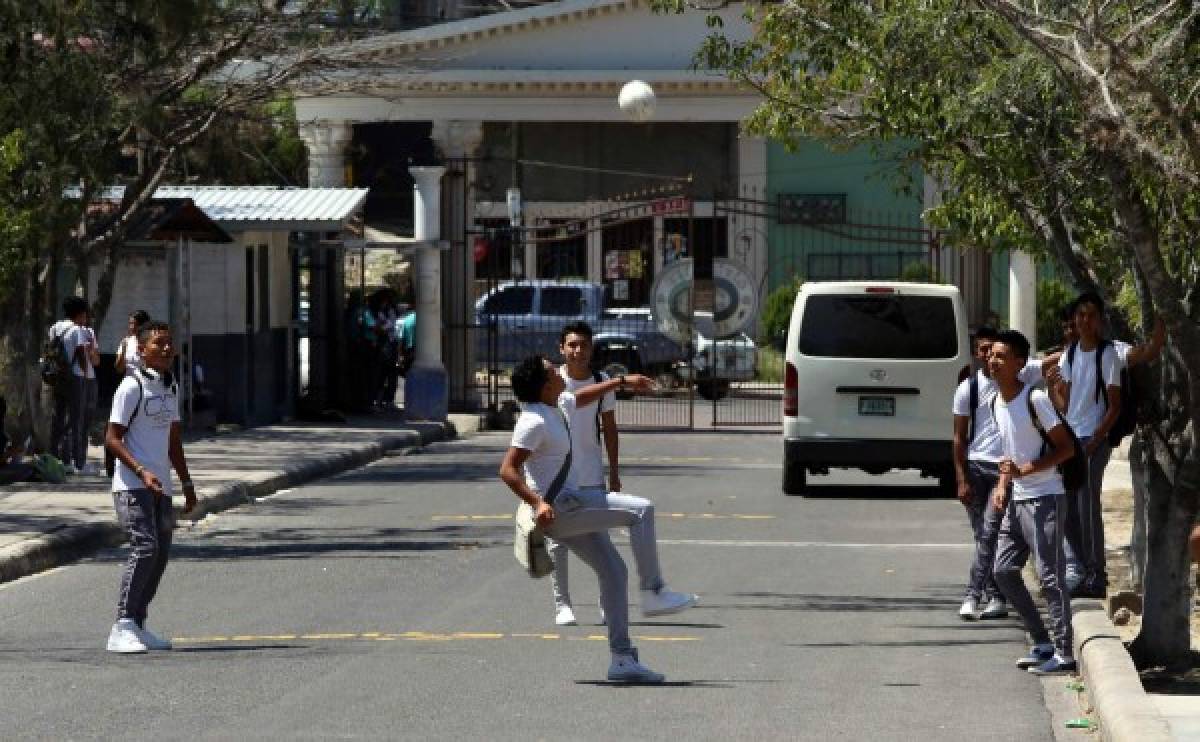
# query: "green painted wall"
883,233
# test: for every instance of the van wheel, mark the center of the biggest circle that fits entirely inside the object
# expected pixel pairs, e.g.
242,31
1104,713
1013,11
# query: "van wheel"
793,478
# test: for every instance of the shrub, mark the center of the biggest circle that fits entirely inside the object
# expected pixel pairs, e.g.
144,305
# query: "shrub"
777,312
1052,296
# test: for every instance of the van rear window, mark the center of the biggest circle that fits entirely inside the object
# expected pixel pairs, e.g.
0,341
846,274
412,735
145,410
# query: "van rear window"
895,326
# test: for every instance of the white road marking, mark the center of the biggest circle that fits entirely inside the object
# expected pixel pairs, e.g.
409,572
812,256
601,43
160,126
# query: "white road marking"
806,544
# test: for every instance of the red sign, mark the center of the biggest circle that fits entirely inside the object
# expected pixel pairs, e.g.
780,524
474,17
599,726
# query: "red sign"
676,205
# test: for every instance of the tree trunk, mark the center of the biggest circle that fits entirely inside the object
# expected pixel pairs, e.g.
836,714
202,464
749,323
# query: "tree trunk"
1172,474
1165,636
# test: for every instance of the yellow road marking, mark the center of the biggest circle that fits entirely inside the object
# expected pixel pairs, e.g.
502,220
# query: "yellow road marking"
419,636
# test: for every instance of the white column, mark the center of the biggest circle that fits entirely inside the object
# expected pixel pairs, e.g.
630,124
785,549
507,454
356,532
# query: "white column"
1022,295
326,142
426,394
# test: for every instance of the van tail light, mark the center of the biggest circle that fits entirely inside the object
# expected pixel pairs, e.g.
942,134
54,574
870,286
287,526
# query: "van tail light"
964,373
881,290
791,391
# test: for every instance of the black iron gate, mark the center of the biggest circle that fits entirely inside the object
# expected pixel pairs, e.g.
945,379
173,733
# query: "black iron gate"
602,262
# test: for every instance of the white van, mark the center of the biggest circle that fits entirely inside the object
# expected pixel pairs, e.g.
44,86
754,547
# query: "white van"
870,373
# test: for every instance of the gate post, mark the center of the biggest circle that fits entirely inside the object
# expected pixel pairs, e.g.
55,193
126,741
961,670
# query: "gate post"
426,393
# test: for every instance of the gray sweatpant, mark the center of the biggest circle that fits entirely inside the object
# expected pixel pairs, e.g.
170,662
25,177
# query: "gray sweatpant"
1088,528
1036,526
582,521
148,521
985,524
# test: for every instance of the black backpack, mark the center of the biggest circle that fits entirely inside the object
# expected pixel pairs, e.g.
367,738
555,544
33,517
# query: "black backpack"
54,366
1074,471
1127,418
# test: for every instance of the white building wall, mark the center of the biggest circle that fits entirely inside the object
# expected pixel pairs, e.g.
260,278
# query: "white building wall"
141,283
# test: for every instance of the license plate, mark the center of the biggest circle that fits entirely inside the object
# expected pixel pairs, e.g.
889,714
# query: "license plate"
877,406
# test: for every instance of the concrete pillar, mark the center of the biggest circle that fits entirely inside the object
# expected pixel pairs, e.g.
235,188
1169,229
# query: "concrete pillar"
326,143
426,393
748,233
458,142
1022,295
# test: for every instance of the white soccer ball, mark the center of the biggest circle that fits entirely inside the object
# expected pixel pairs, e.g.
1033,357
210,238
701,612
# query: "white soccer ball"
637,100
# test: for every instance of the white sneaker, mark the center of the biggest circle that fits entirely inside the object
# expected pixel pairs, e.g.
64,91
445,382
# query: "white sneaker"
969,610
996,608
663,601
124,638
564,616
626,669
152,640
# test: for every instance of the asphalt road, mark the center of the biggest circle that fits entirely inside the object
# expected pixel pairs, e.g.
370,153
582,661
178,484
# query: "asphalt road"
385,603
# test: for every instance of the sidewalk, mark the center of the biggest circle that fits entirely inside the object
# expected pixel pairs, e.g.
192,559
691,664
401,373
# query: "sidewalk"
1114,688
44,525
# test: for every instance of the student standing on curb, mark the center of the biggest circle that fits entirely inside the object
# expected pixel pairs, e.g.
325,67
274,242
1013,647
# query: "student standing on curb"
1092,389
978,451
536,467
144,436
587,461
64,390
83,355
1033,521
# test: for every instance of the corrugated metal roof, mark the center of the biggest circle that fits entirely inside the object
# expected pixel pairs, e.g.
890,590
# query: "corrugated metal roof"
249,207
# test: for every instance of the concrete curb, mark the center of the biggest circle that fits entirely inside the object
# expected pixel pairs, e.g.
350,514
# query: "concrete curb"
75,542
1125,710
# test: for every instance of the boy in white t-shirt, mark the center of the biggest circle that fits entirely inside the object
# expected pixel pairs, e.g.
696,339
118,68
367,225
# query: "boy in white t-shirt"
587,460
1091,390
537,469
978,450
145,438
65,391
1033,521
83,355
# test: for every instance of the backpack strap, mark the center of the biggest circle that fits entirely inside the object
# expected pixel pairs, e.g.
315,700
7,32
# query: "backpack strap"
973,386
598,377
1101,392
1037,423
141,395
561,478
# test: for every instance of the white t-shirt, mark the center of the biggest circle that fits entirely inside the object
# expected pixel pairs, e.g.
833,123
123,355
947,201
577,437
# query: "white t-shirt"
1023,444
987,445
1084,411
129,350
148,436
587,457
542,430
79,336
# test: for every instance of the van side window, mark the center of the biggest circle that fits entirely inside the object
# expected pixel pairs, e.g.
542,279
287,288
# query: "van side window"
858,326
512,300
562,301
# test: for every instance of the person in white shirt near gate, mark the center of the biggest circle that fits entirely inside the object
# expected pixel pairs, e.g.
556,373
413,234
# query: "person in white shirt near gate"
1091,375
587,461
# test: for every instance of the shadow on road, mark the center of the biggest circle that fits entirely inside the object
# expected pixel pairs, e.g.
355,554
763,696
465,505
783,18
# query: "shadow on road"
770,601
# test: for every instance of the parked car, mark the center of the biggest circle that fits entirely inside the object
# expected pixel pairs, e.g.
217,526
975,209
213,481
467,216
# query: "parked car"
870,369
529,315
